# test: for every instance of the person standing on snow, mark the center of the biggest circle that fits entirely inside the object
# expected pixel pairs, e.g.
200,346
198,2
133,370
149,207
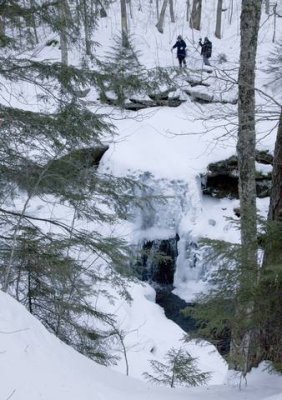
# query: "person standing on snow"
206,50
181,50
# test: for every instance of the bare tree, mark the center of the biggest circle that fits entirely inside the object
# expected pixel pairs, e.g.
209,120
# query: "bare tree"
231,11
120,335
187,9
87,30
130,8
64,15
171,11
195,19
246,146
158,9
218,19
124,27
275,13
160,24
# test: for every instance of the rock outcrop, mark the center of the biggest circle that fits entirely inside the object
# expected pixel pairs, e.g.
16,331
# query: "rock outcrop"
221,179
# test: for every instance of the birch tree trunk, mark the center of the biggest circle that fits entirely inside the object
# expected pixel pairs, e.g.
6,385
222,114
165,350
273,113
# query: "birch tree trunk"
160,24
195,19
218,19
267,8
171,11
124,27
243,337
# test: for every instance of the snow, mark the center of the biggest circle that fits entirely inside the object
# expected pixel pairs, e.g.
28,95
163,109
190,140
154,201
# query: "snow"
149,335
35,365
168,148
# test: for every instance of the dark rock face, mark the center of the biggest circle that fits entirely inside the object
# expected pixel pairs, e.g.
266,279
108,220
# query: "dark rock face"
264,157
66,168
84,158
157,266
157,262
222,178
221,186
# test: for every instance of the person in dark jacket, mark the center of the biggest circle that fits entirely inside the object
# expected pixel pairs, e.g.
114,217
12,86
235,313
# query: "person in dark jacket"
181,50
206,50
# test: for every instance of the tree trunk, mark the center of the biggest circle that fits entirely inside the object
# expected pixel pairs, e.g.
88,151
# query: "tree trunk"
158,9
271,339
33,20
30,309
246,146
275,207
195,19
64,18
231,11
218,19
187,10
171,11
274,22
267,8
160,24
87,29
130,8
124,28
2,28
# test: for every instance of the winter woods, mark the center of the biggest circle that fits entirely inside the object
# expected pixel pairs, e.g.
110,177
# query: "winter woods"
88,193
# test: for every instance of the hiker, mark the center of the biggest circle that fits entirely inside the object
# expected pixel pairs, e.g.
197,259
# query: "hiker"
206,50
181,50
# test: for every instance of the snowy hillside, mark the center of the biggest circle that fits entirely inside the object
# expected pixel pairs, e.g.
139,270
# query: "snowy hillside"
168,149
36,365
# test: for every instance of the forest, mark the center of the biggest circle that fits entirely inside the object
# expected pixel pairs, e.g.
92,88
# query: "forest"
141,198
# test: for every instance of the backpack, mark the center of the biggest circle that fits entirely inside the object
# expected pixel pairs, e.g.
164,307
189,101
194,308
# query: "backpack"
208,49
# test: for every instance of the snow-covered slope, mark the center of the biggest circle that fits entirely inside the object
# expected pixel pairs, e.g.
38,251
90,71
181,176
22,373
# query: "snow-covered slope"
35,365
168,148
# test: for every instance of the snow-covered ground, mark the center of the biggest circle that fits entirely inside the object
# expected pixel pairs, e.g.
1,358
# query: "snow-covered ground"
168,148
35,365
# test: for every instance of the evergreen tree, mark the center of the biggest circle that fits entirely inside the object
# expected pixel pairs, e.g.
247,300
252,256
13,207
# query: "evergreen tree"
123,75
49,155
179,368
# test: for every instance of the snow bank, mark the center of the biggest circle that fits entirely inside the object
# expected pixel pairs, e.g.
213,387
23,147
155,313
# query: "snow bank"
35,365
